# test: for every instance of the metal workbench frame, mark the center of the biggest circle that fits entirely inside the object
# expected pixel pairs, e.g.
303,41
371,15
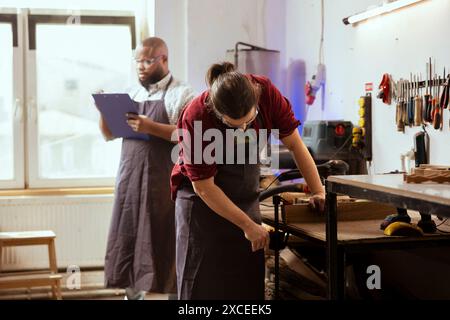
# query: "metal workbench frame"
335,252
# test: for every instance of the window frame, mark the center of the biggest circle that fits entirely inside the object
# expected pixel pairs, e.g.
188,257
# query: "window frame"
40,16
12,17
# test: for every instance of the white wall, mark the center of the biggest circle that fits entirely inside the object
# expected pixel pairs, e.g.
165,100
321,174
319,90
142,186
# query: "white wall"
170,24
214,27
199,32
392,43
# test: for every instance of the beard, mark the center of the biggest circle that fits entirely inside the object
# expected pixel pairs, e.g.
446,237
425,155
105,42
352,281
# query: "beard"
156,76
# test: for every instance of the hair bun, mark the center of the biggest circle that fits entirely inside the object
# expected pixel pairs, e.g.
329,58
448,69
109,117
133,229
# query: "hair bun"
218,69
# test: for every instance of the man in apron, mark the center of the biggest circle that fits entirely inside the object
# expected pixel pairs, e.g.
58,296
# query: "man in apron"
220,240
140,252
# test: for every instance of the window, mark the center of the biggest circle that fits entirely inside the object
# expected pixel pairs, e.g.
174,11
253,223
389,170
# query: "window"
11,115
71,62
6,102
50,136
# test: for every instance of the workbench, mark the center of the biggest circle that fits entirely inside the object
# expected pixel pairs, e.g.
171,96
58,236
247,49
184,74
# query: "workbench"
364,234
429,198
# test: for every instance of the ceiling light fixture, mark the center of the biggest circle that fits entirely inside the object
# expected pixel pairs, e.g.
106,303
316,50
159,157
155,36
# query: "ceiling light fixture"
384,8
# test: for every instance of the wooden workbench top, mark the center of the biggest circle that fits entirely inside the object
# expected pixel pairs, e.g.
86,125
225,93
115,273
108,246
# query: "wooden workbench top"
394,184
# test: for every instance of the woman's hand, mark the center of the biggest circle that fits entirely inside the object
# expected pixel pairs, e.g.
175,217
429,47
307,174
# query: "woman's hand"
258,236
139,123
317,202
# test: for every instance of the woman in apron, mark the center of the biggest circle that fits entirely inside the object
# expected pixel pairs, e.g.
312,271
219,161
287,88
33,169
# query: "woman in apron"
220,240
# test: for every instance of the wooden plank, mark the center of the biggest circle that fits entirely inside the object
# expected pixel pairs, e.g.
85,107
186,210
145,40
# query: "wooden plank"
427,178
56,192
52,256
6,277
26,281
27,235
25,242
300,197
436,167
347,211
429,172
27,238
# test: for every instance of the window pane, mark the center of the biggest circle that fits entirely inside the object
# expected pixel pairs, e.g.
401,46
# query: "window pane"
72,63
6,103
70,4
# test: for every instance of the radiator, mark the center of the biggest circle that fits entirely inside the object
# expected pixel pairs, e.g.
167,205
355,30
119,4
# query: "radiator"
81,224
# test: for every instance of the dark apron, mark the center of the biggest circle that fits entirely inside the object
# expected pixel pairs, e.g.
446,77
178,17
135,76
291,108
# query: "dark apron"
141,245
214,259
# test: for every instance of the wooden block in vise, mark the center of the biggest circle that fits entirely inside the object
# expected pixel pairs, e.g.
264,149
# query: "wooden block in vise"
429,173
347,211
434,167
300,197
436,178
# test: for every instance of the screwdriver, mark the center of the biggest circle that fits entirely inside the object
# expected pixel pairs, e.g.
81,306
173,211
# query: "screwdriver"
437,107
417,103
426,98
411,102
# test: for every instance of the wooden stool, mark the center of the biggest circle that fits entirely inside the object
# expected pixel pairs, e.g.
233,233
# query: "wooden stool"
32,279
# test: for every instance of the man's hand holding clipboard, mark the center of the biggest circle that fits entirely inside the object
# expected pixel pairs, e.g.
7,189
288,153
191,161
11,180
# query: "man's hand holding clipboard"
138,123
120,113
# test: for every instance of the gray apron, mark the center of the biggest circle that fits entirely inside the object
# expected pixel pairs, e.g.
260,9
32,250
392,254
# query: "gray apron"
214,259
141,245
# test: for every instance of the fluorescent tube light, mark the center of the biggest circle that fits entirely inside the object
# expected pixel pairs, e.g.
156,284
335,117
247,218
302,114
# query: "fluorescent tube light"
384,8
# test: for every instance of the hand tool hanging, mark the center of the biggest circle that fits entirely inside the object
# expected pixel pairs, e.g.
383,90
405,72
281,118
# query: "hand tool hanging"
426,97
399,107
429,94
385,89
394,88
423,95
444,100
432,97
414,107
446,92
437,115
410,101
405,104
418,105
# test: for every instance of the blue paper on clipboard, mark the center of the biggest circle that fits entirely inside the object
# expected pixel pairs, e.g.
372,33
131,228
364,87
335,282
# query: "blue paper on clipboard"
113,107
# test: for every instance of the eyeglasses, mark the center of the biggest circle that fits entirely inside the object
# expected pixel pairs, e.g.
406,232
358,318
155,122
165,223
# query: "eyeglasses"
243,126
148,62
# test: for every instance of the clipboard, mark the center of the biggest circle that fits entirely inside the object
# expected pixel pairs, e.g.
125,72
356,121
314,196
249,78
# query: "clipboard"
113,107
